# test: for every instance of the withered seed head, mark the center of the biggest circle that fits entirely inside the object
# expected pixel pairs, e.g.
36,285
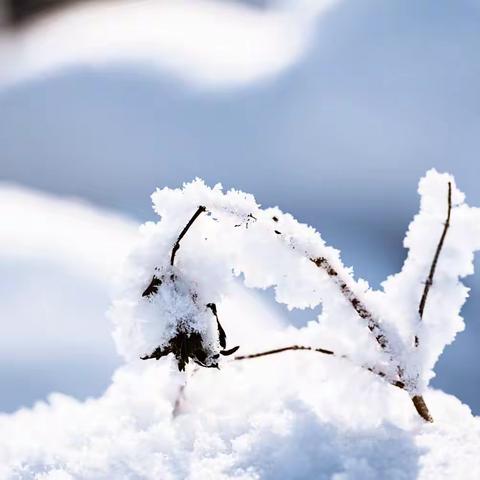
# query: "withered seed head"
186,345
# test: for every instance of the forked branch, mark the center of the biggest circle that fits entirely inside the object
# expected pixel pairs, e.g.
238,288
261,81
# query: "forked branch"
372,323
418,401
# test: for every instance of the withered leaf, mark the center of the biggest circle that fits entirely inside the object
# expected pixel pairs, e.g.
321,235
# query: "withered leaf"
230,351
152,287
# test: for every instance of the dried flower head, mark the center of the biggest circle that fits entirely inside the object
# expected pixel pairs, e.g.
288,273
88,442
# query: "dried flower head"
192,328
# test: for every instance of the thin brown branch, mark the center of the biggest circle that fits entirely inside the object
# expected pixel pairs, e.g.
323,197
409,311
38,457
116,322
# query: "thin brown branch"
180,399
417,400
376,329
284,349
433,266
381,374
347,292
155,282
421,408
356,303
200,210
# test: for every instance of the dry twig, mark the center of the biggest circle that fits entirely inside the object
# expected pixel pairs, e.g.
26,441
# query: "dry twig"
418,401
180,399
433,266
357,304
381,374
373,325
361,309
155,282
200,210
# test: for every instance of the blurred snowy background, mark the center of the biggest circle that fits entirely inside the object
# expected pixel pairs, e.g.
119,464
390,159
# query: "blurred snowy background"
330,109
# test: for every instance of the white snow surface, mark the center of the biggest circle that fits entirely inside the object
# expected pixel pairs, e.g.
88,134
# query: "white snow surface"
296,415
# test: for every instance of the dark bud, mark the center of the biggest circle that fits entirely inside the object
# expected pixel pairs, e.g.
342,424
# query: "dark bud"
152,288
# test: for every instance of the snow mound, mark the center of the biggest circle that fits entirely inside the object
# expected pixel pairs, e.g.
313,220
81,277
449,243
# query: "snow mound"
255,421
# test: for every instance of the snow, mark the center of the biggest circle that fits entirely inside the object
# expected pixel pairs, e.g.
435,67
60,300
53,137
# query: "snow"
67,230
442,320
211,44
58,256
249,421
271,249
296,415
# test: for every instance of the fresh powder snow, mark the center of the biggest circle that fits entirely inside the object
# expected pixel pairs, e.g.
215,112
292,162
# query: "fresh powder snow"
342,412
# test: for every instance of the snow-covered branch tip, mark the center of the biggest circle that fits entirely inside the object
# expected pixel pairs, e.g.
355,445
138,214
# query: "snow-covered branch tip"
433,266
176,311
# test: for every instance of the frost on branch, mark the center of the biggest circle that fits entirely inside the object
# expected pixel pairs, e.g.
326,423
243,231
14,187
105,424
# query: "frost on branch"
185,265
403,292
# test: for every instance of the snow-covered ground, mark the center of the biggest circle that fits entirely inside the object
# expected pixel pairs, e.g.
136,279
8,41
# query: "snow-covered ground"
292,417
296,415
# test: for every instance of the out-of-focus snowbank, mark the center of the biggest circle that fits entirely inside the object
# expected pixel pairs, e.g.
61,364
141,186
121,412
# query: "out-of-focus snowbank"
57,257
64,231
210,43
